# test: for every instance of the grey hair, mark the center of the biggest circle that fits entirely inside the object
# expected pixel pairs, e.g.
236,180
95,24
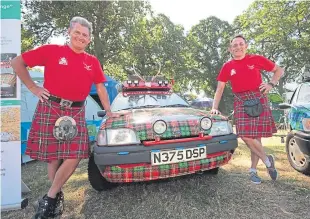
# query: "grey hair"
82,21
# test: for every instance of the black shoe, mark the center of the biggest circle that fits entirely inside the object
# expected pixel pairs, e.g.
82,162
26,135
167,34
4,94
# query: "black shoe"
46,208
60,206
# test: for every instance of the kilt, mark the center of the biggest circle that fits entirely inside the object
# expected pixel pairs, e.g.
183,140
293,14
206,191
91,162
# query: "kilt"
253,127
42,145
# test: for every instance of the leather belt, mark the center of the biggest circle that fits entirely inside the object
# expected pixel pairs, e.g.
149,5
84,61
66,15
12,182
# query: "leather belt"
66,103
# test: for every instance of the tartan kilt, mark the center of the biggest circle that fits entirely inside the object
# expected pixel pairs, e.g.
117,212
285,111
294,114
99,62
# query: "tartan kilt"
253,127
42,145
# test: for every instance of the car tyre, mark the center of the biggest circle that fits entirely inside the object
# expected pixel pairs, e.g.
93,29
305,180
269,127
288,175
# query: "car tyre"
213,171
97,181
301,165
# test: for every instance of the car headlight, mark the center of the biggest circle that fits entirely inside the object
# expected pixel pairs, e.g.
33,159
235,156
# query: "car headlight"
159,127
306,124
111,137
205,123
221,128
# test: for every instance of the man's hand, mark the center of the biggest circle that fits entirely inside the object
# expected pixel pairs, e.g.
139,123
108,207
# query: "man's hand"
40,92
215,111
265,88
112,115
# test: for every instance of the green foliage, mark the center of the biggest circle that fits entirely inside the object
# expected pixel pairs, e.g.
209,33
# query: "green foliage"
127,34
280,31
206,53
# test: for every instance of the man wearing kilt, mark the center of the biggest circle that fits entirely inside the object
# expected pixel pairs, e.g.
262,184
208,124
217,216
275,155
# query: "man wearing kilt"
58,134
252,112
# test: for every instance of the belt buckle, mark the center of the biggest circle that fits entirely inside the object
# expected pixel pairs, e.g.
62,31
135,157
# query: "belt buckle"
65,103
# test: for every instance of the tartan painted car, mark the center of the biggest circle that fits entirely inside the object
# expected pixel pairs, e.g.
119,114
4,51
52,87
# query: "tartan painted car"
298,139
157,135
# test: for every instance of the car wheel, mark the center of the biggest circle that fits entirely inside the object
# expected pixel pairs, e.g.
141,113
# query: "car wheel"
214,171
97,181
295,156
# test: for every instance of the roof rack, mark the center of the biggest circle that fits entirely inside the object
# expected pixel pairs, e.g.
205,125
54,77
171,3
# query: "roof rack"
154,83
159,84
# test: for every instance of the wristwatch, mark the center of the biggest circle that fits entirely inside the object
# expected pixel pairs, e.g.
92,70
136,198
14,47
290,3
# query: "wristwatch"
271,84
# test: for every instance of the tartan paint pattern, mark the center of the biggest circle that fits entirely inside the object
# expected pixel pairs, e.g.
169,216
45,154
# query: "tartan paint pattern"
253,127
296,115
186,127
148,172
42,145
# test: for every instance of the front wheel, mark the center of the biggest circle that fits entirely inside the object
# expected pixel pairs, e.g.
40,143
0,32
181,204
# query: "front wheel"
213,171
97,181
295,156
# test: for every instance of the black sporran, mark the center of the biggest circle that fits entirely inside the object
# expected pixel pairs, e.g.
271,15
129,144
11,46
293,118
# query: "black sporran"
253,107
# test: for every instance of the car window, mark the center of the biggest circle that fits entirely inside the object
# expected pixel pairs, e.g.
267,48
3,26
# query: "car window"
304,94
135,101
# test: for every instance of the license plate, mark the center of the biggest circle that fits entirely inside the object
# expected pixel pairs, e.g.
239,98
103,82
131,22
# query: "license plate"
177,156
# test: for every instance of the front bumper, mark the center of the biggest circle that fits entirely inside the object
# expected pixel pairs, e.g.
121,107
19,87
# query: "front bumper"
108,156
303,141
147,172
136,165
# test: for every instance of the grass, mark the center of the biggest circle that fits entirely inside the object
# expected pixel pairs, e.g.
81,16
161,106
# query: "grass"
226,195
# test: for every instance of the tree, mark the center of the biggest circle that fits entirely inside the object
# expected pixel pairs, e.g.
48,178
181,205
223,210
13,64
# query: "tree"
280,31
28,40
155,44
207,45
111,21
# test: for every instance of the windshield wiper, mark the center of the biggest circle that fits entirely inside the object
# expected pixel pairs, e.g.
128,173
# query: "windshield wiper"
124,109
139,107
176,105
146,106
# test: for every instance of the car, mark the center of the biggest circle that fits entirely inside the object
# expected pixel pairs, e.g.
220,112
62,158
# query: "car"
28,105
157,135
298,138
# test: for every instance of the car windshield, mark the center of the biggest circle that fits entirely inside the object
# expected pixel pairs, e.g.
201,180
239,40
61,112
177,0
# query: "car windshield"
304,94
147,101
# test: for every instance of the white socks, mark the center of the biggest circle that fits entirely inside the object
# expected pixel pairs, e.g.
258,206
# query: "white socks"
267,163
252,170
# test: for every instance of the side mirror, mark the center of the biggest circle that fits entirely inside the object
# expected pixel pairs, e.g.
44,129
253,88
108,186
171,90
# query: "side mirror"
101,113
284,106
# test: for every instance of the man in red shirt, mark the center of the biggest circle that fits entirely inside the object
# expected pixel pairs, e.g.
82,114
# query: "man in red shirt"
58,133
252,113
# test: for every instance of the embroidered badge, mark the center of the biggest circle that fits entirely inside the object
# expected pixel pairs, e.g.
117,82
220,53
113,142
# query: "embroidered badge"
232,72
251,67
87,67
63,61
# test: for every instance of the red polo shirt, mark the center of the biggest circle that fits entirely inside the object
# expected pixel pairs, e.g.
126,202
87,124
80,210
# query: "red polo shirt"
244,74
67,74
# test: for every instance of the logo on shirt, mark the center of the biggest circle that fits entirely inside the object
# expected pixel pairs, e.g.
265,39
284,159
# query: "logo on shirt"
233,72
251,67
63,61
87,67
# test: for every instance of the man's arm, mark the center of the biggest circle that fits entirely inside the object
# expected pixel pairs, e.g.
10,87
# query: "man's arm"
103,96
20,69
278,72
217,97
